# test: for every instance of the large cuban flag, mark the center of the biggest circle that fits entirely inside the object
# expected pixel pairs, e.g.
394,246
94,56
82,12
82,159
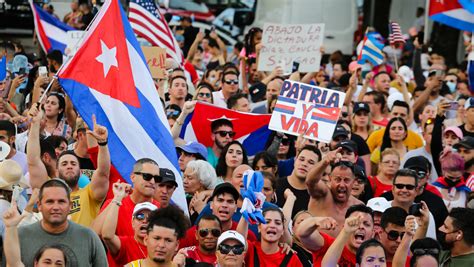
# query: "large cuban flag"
458,14
51,32
109,77
250,129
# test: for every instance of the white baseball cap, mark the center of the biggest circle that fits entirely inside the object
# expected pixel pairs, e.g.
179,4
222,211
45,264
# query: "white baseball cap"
231,234
379,204
144,206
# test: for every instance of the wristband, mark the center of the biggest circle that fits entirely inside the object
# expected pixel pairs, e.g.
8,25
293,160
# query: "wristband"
179,123
102,143
119,203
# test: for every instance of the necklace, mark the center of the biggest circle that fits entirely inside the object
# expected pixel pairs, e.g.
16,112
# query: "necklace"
139,247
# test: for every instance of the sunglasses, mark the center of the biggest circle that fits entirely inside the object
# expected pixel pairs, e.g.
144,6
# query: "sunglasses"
205,232
225,133
172,113
345,114
140,216
207,95
453,178
285,141
226,249
407,186
393,235
424,251
232,81
147,177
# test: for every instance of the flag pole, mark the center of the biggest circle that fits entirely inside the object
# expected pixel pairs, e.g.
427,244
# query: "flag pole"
426,27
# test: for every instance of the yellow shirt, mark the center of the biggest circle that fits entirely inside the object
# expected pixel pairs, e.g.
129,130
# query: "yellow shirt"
141,263
84,207
413,140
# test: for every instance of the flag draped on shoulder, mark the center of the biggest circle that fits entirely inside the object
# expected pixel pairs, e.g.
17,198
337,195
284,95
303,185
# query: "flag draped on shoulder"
51,32
250,129
371,50
458,14
149,24
108,76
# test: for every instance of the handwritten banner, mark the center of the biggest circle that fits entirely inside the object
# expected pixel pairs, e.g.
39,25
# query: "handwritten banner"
285,43
155,58
306,109
73,42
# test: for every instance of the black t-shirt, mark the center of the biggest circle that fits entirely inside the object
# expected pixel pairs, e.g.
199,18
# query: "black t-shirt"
465,132
87,19
302,196
362,147
434,202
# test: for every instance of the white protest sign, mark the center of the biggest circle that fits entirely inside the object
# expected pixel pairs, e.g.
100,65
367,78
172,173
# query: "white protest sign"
284,44
306,109
73,42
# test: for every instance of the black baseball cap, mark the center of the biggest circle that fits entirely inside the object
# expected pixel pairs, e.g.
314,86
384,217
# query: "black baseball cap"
360,173
225,188
348,144
358,106
419,163
257,92
340,131
467,142
168,176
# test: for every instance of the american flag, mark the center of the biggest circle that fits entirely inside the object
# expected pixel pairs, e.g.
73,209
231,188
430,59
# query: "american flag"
395,36
149,24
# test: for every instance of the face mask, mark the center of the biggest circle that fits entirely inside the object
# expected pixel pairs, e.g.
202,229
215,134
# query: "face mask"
450,182
452,86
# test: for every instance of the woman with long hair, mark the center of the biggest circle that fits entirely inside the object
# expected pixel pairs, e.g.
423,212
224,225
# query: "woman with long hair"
204,93
54,108
251,41
232,156
395,133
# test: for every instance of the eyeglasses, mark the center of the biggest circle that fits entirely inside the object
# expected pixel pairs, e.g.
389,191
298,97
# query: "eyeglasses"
231,81
147,177
407,186
225,133
393,235
207,95
391,162
285,141
140,217
205,232
424,251
226,249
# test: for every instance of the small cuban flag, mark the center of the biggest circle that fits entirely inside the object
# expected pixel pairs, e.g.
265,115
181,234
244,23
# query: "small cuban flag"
253,197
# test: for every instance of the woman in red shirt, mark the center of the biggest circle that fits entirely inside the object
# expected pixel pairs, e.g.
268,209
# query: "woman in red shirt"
388,166
268,252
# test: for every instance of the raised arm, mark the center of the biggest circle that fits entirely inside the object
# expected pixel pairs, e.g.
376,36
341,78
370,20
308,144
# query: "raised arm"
100,178
243,227
11,219
406,97
335,250
287,211
367,80
36,168
308,231
352,88
316,188
176,130
194,46
111,240
424,97
220,43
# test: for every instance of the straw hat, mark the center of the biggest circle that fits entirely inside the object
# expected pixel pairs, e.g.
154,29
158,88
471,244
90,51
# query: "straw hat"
11,174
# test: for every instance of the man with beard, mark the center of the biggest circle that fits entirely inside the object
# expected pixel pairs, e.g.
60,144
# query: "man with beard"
55,60
208,230
333,199
81,246
222,134
166,226
123,248
458,229
311,235
86,201
304,162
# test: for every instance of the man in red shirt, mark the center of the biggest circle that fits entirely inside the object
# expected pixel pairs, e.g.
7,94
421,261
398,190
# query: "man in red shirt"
309,233
208,230
125,249
223,205
145,177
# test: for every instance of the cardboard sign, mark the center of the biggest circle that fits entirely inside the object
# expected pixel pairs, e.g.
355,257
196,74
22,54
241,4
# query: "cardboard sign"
155,58
306,109
73,42
285,43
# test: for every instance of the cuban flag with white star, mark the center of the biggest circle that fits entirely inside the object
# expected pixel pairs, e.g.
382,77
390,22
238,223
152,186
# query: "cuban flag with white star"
109,77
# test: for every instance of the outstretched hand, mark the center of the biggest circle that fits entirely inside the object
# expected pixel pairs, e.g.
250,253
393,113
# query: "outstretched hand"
99,132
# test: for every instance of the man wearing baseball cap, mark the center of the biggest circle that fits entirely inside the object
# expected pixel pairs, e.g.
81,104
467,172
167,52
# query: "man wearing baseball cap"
468,127
190,151
465,147
231,249
165,189
126,248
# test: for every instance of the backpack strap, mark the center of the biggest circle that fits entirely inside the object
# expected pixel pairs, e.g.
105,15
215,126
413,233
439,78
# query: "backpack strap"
286,259
256,261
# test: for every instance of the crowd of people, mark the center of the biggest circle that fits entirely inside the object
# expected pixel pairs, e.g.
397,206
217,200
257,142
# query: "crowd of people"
392,188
